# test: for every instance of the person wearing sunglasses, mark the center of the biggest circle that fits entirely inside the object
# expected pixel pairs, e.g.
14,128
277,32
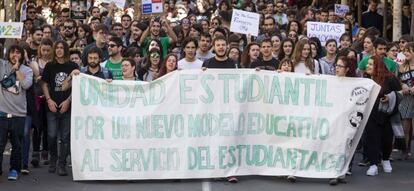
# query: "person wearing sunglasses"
69,32
152,66
15,79
113,64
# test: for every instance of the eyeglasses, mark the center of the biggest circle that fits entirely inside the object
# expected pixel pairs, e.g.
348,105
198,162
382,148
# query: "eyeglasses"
340,66
155,55
112,45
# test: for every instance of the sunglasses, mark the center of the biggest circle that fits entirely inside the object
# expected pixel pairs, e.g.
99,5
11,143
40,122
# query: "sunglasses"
68,27
403,41
155,55
31,12
112,45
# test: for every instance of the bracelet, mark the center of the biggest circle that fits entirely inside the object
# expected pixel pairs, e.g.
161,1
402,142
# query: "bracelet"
47,99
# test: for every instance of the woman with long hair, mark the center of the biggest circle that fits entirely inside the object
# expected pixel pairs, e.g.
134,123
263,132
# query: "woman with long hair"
276,41
379,133
250,54
406,106
287,47
169,65
235,54
153,64
368,46
39,137
302,58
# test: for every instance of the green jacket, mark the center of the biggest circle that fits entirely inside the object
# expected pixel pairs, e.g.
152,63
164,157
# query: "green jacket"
390,64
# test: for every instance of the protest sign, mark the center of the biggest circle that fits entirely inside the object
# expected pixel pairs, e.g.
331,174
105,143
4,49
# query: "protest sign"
245,22
341,10
325,31
118,3
151,6
11,29
217,123
78,9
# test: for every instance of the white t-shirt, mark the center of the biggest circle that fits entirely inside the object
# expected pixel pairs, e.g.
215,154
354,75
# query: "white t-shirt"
301,68
184,65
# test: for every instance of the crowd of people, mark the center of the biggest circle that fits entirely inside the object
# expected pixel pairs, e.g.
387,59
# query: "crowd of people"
115,43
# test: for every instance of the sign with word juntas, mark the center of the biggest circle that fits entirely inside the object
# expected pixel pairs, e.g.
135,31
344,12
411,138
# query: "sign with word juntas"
11,29
325,31
152,6
245,22
217,123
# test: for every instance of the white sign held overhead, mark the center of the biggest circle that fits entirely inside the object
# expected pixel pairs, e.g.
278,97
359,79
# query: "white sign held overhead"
118,3
11,29
245,22
325,31
341,10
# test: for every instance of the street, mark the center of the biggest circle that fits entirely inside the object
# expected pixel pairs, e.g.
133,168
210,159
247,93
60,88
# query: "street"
401,179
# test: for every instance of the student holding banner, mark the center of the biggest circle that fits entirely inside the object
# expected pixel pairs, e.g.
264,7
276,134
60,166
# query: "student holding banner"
302,58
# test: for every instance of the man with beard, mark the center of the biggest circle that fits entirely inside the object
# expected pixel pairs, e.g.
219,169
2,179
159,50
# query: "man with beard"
269,27
153,32
32,14
113,64
204,52
69,27
266,62
220,60
15,79
93,68
101,37
36,34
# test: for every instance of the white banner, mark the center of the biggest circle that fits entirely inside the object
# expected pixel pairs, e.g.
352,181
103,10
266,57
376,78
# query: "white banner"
217,123
11,29
245,22
118,3
325,31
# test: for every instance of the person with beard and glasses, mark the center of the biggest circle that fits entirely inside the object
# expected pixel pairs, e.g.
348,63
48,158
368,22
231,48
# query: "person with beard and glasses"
93,68
58,102
32,15
266,61
113,64
101,38
153,32
203,52
220,60
69,34
36,33
15,79
189,52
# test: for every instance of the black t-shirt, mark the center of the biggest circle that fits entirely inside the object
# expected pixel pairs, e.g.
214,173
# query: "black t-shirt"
213,63
54,74
31,53
100,74
265,65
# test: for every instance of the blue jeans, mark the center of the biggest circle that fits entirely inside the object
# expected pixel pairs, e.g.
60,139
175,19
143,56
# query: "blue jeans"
58,125
12,128
26,140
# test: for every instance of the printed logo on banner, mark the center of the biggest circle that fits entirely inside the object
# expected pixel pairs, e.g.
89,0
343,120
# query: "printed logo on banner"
360,95
355,118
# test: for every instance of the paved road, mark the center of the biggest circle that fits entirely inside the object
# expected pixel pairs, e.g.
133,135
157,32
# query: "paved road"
402,179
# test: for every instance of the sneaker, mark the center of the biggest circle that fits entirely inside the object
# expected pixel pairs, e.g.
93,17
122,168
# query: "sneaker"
333,181
232,179
386,166
291,179
349,173
35,159
25,170
62,171
363,162
372,171
52,169
13,175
